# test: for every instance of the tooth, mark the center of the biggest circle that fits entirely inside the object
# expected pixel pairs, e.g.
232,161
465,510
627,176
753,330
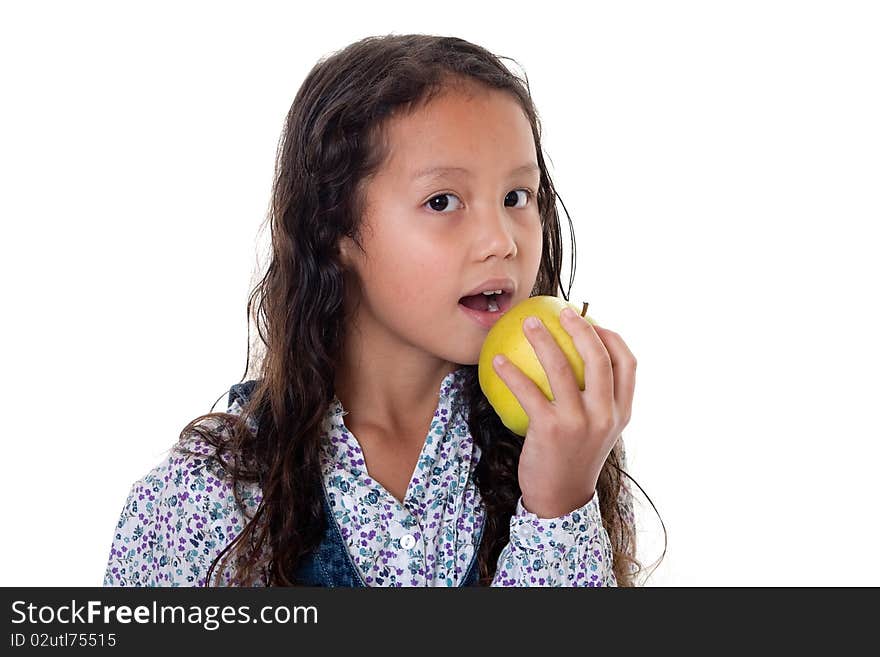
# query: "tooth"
493,307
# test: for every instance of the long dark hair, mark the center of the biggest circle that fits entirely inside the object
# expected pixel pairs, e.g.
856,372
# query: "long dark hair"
331,145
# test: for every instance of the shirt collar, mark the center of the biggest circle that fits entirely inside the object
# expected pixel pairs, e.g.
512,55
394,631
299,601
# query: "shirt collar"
448,441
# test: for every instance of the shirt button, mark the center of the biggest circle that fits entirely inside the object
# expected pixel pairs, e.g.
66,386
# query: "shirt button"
407,541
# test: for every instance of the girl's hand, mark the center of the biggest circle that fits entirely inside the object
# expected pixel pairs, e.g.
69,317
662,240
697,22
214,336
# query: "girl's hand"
569,438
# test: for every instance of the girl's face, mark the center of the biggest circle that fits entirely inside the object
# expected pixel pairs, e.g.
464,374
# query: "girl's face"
431,239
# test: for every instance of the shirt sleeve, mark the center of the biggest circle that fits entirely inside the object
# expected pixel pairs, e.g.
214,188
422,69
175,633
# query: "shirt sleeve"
572,550
175,521
136,553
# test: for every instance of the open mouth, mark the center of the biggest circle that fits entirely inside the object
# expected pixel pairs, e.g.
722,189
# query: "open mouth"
488,303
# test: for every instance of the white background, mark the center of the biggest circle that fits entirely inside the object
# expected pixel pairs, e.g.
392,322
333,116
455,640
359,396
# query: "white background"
720,162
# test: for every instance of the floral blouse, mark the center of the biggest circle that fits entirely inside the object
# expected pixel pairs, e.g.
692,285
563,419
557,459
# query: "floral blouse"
182,513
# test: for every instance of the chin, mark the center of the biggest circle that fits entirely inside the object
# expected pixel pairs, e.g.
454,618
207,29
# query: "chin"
465,359
457,356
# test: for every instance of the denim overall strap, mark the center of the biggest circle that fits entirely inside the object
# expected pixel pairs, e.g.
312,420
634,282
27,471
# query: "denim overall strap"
329,564
470,579
241,392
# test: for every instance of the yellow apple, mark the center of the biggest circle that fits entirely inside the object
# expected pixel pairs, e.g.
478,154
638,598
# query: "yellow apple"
507,337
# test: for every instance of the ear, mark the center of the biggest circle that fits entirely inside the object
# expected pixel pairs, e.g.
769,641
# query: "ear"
345,250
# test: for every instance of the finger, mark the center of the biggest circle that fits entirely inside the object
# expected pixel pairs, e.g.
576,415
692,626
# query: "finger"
623,362
563,384
598,372
527,393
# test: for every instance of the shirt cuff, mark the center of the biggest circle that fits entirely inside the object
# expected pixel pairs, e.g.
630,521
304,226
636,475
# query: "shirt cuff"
529,532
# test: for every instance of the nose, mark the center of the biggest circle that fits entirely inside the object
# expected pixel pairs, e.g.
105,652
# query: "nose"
495,233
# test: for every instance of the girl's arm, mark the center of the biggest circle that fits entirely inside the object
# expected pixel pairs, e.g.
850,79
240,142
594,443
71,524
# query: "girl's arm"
571,550
138,554
176,519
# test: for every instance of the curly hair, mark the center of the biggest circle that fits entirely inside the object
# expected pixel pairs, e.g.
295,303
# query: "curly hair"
332,143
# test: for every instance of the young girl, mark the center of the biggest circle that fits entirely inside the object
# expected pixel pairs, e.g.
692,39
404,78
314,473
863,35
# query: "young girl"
410,176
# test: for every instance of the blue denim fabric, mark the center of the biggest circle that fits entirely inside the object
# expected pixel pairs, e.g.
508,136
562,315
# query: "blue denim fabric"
331,564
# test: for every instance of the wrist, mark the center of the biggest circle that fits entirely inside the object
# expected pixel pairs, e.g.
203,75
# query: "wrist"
557,508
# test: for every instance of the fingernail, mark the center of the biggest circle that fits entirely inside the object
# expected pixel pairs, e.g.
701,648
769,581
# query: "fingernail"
568,313
499,360
532,322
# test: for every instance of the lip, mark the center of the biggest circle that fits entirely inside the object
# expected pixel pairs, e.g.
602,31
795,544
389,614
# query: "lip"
505,284
485,318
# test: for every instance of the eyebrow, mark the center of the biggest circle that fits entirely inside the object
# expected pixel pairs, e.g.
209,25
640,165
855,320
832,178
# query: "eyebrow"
439,170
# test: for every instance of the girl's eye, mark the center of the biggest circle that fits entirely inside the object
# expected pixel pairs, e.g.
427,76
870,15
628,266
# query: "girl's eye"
528,196
437,203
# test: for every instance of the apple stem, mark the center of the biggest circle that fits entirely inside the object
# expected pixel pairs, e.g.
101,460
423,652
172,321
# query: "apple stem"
584,311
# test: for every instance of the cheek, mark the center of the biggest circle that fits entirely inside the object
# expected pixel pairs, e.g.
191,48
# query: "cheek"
417,287
407,279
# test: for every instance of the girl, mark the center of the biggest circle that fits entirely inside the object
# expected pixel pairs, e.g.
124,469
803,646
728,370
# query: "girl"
410,176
